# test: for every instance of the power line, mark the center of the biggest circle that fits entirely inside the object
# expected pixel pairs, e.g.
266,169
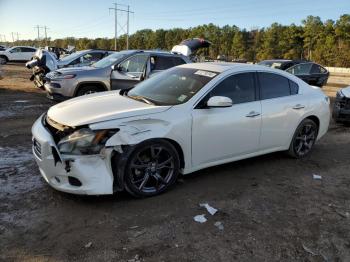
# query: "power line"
128,12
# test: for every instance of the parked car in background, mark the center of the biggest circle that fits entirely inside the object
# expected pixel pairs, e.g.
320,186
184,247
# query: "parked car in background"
311,73
17,54
341,108
3,48
185,119
121,70
282,64
45,61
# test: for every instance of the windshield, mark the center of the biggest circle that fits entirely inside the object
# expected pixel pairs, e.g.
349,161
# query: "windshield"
109,60
72,56
172,87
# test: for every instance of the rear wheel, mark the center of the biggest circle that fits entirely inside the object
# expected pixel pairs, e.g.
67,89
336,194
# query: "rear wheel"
152,167
86,90
304,139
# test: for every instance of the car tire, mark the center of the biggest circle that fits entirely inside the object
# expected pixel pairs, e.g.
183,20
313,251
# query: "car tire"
152,167
3,60
86,90
304,139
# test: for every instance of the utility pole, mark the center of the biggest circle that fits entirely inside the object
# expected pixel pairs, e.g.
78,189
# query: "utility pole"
116,9
45,28
38,28
13,39
17,36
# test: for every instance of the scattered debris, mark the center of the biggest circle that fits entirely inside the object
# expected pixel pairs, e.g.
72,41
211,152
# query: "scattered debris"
21,101
137,258
309,250
139,233
219,225
344,215
133,227
210,209
200,218
88,245
176,245
317,177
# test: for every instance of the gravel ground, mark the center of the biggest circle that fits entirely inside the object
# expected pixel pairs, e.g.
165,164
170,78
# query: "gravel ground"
269,208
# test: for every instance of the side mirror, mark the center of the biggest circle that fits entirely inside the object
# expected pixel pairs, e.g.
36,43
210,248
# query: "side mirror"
219,101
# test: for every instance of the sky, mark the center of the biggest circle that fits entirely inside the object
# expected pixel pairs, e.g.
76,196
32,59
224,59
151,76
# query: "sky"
92,18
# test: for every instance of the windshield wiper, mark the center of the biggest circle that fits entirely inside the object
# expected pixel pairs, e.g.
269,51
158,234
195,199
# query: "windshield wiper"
141,98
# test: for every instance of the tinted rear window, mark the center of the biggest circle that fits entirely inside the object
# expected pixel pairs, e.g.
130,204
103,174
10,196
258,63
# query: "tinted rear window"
273,85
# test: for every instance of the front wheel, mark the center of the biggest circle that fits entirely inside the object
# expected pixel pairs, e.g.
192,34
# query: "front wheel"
3,60
304,139
86,90
151,168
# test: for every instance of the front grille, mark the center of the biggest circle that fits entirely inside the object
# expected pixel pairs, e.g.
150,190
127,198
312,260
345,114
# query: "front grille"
37,148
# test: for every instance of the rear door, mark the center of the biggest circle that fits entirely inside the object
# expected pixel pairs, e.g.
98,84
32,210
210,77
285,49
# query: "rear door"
318,75
130,72
26,53
302,71
282,109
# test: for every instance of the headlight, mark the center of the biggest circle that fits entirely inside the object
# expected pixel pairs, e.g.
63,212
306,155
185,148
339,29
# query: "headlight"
85,141
62,77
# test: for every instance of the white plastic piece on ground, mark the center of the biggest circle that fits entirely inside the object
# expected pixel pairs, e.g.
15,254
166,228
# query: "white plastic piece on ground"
209,208
200,218
317,177
219,225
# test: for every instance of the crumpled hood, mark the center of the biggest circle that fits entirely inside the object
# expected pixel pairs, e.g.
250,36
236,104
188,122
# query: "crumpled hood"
99,107
346,91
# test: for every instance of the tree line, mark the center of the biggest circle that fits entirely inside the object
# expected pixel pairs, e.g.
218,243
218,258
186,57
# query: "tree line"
325,42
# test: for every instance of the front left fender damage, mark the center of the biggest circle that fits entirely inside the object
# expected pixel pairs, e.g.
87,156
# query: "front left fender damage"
130,134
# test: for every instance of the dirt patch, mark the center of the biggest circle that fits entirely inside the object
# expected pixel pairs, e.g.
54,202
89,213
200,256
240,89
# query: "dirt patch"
270,207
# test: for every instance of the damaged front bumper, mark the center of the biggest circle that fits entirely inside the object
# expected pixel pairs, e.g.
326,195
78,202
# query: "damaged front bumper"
76,174
341,109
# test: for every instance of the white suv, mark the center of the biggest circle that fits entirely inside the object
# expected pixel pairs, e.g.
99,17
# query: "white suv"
17,54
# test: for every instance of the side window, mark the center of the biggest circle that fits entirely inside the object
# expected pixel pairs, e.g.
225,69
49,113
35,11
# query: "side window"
300,69
27,49
96,56
15,50
161,62
75,61
294,88
178,61
273,86
135,64
315,69
240,88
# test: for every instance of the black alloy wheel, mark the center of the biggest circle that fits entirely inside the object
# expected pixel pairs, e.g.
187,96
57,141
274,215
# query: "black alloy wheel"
152,167
304,139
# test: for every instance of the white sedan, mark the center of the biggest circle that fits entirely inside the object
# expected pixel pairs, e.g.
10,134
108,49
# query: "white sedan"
185,119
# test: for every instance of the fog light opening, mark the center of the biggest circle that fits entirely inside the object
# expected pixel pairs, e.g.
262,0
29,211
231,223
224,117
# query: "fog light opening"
74,181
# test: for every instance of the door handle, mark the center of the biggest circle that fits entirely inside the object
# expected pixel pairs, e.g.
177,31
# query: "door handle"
298,106
253,114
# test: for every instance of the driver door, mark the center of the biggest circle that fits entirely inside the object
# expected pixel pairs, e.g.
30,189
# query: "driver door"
228,132
130,72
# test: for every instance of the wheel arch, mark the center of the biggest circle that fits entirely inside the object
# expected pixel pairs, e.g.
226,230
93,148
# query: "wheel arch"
4,56
90,83
119,160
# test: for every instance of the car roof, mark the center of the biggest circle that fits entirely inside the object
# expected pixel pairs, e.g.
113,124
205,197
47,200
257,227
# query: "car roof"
223,66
